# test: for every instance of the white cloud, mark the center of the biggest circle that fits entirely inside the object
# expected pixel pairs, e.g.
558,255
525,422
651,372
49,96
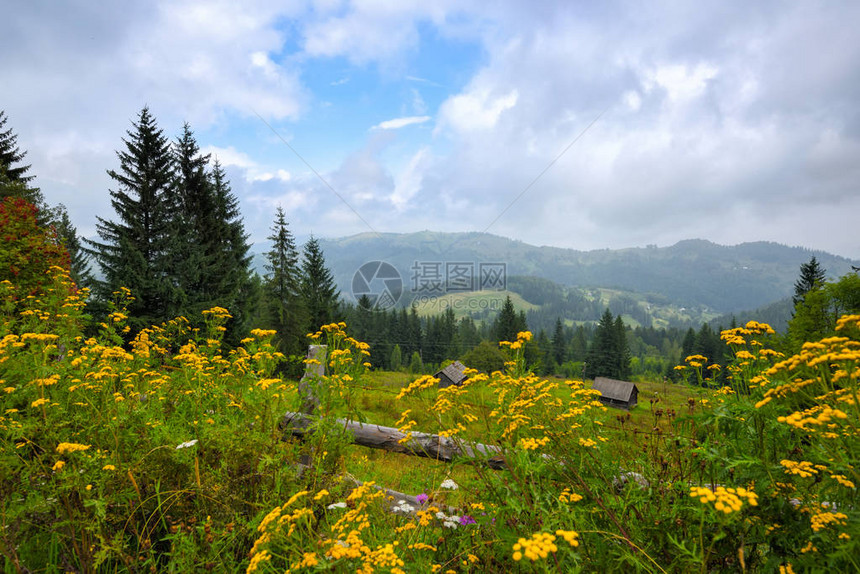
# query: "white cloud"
423,81
230,156
408,183
398,123
632,100
719,122
365,32
681,82
476,110
250,169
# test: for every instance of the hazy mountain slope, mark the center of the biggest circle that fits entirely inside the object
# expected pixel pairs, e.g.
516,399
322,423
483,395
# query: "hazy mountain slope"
724,279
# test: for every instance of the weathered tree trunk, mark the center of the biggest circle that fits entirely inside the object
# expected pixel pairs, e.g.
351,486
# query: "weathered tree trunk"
419,444
307,389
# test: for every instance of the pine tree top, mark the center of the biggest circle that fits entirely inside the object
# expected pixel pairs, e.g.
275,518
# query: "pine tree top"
10,154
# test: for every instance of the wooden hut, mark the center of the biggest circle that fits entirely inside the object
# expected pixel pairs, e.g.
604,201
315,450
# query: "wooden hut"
451,375
614,393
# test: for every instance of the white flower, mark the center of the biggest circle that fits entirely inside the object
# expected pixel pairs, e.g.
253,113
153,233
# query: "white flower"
441,515
449,484
187,444
451,524
404,507
336,505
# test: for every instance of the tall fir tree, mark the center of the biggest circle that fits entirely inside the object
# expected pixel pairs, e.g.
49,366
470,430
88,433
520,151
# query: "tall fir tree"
318,289
134,250
414,331
812,276
79,260
232,275
210,246
468,333
622,350
505,328
815,317
285,310
602,359
559,345
396,362
545,355
15,181
688,345
193,241
579,344
10,154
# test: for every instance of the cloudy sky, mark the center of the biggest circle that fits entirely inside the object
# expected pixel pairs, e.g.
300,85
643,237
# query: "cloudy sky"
729,121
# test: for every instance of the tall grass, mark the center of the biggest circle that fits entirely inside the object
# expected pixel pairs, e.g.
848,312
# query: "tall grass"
166,455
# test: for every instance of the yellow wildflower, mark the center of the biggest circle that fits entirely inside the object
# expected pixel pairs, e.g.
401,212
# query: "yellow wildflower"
70,447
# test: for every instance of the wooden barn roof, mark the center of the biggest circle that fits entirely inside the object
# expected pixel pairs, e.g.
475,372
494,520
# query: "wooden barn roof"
454,372
614,389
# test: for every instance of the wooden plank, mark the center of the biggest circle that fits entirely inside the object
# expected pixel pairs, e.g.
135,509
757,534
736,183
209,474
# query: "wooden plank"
421,444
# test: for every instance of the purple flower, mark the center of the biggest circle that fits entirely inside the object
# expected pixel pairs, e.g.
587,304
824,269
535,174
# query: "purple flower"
466,519
422,498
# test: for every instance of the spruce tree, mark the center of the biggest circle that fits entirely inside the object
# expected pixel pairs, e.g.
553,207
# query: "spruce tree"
415,331
416,366
396,362
194,245
318,290
812,276
79,260
281,288
232,276
622,351
468,333
545,355
10,154
210,246
688,345
506,325
559,347
602,359
14,179
579,345
134,250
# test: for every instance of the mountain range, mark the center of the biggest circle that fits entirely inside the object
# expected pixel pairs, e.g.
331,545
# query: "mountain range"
697,274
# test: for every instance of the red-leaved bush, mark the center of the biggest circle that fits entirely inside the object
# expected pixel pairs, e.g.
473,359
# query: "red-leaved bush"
27,250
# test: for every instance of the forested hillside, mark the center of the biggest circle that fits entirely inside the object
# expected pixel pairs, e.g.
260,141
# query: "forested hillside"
691,273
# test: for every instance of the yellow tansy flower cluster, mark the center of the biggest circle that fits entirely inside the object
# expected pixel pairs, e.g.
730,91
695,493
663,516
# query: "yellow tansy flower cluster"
533,443
567,495
824,517
541,544
726,500
803,469
70,447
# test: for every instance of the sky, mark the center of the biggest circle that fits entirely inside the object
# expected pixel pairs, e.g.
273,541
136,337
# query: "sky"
586,125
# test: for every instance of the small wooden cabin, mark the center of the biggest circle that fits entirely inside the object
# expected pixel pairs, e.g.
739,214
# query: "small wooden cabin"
451,375
618,394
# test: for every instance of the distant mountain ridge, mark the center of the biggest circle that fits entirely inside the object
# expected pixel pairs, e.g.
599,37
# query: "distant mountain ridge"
695,272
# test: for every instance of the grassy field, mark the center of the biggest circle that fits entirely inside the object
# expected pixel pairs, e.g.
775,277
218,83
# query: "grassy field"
648,425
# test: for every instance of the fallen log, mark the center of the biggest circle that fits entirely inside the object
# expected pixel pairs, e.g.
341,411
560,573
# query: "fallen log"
426,445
